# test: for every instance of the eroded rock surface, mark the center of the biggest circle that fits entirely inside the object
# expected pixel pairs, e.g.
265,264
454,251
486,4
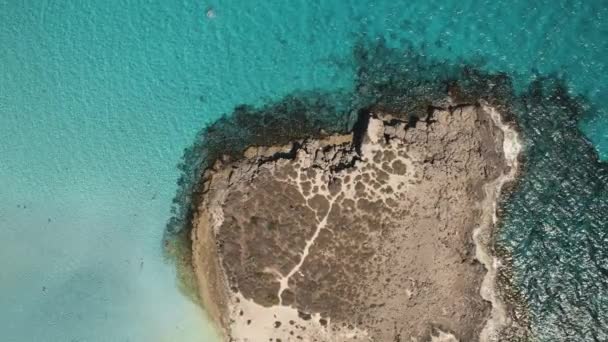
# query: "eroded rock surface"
354,237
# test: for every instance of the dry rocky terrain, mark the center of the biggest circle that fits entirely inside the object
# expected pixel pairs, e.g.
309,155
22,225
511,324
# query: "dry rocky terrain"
359,237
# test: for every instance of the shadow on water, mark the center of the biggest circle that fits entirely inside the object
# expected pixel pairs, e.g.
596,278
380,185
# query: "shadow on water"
553,234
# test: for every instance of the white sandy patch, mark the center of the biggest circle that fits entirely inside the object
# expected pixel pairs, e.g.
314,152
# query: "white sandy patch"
253,322
375,130
443,337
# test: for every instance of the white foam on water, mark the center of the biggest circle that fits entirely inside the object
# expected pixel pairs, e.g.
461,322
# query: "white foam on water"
512,147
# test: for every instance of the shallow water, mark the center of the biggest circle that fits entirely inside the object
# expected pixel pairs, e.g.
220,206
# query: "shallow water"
98,99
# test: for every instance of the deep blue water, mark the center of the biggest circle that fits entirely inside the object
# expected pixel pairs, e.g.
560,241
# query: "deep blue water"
98,100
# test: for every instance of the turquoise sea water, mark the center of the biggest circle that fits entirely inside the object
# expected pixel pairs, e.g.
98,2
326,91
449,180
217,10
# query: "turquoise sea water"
98,100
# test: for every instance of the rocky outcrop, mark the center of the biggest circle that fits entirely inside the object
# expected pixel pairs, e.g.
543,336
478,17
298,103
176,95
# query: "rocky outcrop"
367,236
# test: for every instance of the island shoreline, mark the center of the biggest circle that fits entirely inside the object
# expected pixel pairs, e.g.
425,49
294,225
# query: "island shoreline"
483,235
494,323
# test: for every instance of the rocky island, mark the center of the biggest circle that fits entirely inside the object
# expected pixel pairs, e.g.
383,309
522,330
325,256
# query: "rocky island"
376,235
